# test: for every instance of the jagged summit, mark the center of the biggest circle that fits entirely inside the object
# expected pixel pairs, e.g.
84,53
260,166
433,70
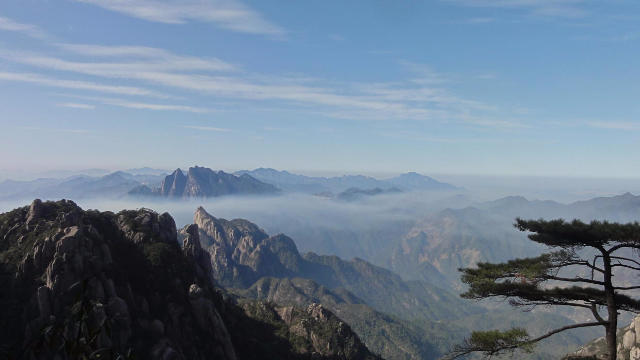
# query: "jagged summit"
83,284
202,182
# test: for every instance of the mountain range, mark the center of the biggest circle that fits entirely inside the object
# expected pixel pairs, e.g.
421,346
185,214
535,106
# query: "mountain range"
203,182
395,318
255,292
113,185
310,184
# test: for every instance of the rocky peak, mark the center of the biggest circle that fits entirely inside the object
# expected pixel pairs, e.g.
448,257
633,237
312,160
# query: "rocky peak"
204,182
173,184
78,282
241,252
120,276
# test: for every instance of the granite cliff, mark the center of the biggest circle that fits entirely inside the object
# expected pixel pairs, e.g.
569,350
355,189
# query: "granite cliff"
201,182
89,284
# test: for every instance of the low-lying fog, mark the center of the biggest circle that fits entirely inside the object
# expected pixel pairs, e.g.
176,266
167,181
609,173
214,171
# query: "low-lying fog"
315,223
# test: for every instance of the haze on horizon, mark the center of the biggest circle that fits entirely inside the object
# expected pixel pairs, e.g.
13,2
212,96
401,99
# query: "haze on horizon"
541,87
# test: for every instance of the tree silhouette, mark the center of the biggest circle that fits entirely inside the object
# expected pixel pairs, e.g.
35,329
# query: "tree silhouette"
579,273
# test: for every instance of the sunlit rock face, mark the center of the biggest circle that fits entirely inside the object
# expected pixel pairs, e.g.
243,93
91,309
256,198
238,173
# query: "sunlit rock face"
628,348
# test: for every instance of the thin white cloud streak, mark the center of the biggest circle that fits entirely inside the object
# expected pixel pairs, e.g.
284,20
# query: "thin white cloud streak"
233,87
615,125
154,107
117,69
140,105
206,128
227,14
77,85
384,99
549,8
71,131
26,29
77,106
156,59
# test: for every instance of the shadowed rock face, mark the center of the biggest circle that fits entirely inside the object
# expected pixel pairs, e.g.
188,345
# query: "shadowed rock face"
204,182
255,265
174,184
75,282
120,281
242,253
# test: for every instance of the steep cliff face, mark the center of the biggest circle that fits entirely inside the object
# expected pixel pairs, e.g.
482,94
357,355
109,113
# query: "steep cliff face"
76,283
242,253
386,335
204,182
270,268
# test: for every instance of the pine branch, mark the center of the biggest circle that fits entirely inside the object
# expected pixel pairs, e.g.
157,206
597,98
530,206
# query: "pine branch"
495,342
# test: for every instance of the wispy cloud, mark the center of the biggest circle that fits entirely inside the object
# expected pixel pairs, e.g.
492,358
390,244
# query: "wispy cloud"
75,84
26,29
550,8
59,130
155,107
421,97
154,59
417,99
77,106
425,73
615,125
227,14
480,20
206,128
163,61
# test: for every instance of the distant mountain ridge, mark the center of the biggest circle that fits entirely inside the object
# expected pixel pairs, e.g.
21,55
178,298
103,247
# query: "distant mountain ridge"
454,238
355,193
112,185
202,182
312,184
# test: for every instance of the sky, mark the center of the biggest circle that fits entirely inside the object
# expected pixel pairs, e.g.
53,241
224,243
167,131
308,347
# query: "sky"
488,87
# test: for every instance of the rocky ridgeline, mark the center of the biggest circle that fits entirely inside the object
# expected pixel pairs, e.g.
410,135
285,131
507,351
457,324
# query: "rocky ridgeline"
628,345
77,282
376,303
200,182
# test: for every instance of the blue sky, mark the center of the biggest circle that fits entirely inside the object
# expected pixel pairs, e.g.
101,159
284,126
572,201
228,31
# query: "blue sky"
529,87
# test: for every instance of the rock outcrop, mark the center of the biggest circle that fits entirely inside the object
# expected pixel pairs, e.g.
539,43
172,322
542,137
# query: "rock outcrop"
242,253
376,303
201,182
628,348
77,283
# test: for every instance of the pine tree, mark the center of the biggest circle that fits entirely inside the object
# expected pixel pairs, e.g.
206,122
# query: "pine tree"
579,272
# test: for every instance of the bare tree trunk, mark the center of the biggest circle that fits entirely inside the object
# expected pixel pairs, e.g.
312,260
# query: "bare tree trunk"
612,310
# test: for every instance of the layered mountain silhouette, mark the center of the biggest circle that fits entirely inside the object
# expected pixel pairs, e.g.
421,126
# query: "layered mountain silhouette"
204,182
375,302
112,185
201,182
311,184
396,318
